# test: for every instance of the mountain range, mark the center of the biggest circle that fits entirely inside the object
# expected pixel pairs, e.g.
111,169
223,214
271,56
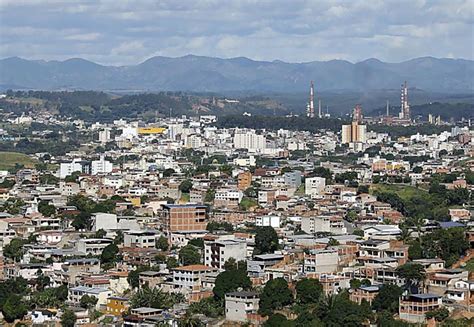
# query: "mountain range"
207,74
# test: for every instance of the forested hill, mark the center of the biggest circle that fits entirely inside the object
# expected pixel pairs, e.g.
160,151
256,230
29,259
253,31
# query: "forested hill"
100,106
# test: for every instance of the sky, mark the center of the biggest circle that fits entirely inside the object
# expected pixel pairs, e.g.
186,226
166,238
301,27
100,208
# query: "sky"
119,32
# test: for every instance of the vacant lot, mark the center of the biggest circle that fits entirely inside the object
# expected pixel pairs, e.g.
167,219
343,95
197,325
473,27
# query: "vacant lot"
404,191
9,159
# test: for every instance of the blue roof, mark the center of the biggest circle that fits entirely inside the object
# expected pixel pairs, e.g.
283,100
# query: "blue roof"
450,224
425,296
183,206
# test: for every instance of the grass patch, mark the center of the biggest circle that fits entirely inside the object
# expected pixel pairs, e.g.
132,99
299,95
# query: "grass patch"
9,159
404,191
184,198
469,265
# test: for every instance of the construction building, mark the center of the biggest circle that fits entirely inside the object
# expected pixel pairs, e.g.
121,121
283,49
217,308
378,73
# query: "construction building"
184,217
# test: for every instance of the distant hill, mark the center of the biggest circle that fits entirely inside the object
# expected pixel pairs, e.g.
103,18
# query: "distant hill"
206,74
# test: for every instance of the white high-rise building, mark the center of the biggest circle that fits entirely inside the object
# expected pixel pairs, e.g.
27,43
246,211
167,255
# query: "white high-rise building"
67,168
249,140
314,185
193,141
101,166
104,135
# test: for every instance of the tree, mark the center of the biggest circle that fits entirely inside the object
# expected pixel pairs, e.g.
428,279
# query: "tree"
14,250
332,242
186,186
448,244
87,301
413,273
363,189
41,280
162,243
417,169
322,172
232,264
438,314
68,318
358,232
189,255
415,251
119,237
14,308
197,242
210,195
210,307
229,281
171,263
275,295
308,291
168,172
109,255
133,276
278,320
387,298
154,298
100,233
351,216
266,240
46,209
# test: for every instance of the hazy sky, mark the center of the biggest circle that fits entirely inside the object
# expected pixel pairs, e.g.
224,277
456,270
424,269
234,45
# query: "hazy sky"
121,32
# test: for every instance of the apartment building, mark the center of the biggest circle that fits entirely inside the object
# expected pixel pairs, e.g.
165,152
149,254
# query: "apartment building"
331,224
101,294
216,253
140,239
188,279
314,186
184,217
413,307
320,261
92,246
228,198
367,293
273,221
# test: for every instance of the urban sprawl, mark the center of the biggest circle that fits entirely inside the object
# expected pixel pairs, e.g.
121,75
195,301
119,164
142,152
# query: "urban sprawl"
181,222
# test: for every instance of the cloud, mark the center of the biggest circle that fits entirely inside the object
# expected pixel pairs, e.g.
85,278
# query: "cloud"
126,32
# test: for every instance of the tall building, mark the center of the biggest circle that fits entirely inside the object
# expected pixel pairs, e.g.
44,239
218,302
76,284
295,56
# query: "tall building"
101,166
310,108
217,252
249,140
104,135
184,217
405,107
353,133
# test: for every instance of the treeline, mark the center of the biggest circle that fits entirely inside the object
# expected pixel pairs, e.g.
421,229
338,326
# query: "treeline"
75,98
277,122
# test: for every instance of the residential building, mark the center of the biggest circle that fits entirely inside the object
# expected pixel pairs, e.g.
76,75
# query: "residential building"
217,253
413,307
240,306
184,217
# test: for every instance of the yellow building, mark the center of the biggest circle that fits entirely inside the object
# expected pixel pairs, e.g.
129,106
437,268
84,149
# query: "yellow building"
135,201
116,305
151,130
